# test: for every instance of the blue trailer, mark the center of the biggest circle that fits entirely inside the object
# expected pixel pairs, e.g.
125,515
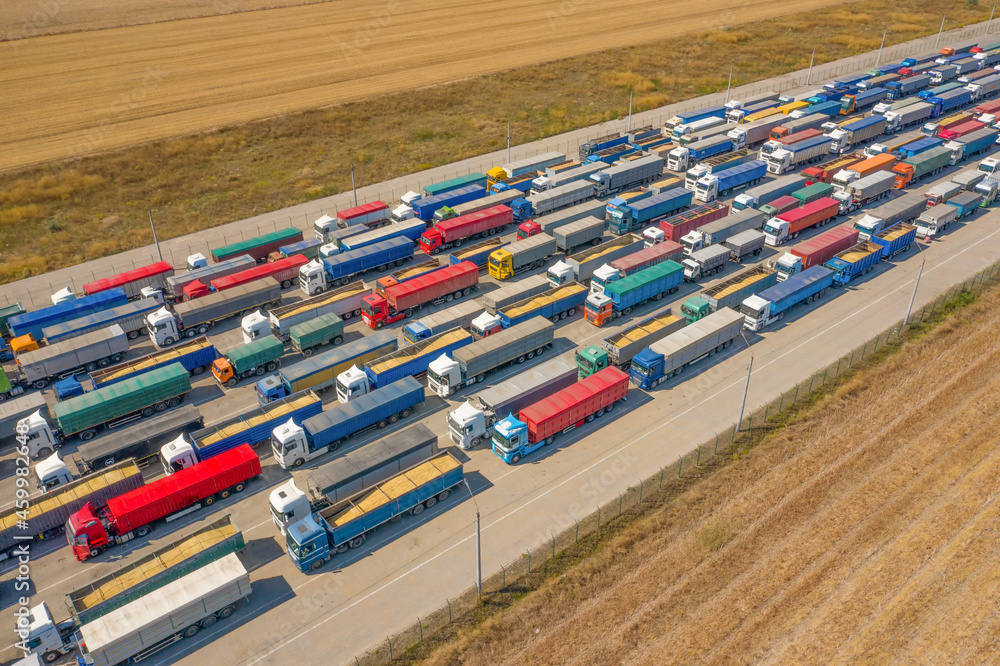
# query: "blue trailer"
479,254
882,70
965,204
905,87
412,361
938,90
338,236
195,355
973,143
862,100
31,323
831,108
912,148
855,261
770,305
131,317
312,541
830,94
294,444
611,155
308,248
425,207
950,100
847,81
341,268
551,304
601,143
921,59
895,239
633,215
409,229
689,117
719,184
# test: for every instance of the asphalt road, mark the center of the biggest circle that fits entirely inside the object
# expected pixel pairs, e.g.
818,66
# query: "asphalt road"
411,568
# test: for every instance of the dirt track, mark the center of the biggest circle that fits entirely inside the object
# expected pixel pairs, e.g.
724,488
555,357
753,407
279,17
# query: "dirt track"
867,534
92,91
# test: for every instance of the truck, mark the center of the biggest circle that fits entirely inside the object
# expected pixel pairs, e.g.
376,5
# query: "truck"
255,358
824,173
538,424
750,134
951,99
425,207
914,148
343,303
471,422
131,317
802,152
943,73
284,271
744,244
682,158
895,240
743,106
507,294
812,192
474,178
968,179
688,117
175,285
677,227
295,444
476,205
477,253
696,127
312,541
132,514
779,206
854,261
619,349
648,256
410,361
622,296
457,316
895,145
455,231
901,88
402,300
770,305
626,175
706,261
321,371
635,214
934,220
308,248
192,318
549,223
558,178
14,410
719,231
32,323
152,277
812,121
581,266
554,304
920,166
529,253
195,356
409,229
470,364
322,330
715,185
717,163
902,209
814,252
257,248
730,293
372,215
84,352
587,230
758,196
941,192
855,133
336,271
600,143
984,88
789,225
669,356
960,130
965,203
864,191
523,166
570,194
972,144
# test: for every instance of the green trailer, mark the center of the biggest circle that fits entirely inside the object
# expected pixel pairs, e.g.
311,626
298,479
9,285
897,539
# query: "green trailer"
253,358
6,312
813,192
322,330
111,406
258,247
475,178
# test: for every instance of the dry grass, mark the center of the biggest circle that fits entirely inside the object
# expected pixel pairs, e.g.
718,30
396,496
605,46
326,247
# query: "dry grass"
864,532
50,216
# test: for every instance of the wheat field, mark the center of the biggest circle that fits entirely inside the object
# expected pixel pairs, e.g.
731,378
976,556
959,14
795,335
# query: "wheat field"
84,92
865,533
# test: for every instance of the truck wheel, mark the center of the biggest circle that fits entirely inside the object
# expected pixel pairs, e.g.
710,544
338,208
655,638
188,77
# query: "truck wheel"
590,417
530,355
144,531
226,612
167,342
307,352
148,411
405,413
538,352
408,314
393,418
208,622
474,443
319,290
132,335
240,487
90,367
224,494
173,402
554,319
298,462
45,451
513,461
379,324
41,384
93,552
272,366
431,501
520,359
191,631
357,542
317,565
458,242
160,406
458,294
210,500
232,382
333,447
417,510
654,383
449,298
659,296
51,657
259,370
383,423
443,495
193,332
609,408
286,284
342,548
338,340
466,291
480,378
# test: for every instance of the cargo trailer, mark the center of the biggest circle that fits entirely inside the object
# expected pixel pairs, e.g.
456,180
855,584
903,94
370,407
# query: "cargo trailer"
132,282
257,248
619,349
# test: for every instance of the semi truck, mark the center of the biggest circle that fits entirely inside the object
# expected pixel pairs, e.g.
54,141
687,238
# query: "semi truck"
90,351
865,190
730,293
284,271
409,229
619,349
531,253
750,134
901,88
569,237
12,411
344,303
425,207
675,228
720,184
637,214
901,209
872,165
402,300
470,364
789,225
814,252
372,215
538,424
719,231
132,514
471,423
860,101
682,158
564,196
626,175
763,309
942,192
934,220
474,178
745,244
854,261
457,316
554,304
514,292
705,262
476,205
895,240
32,323
645,258
340,269
824,173
622,296
791,156
195,356
295,444
581,266
913,114
255,358
523,166
192,318
175,285
320,372
965,203
133,282
549,223
456,231
410,361
258,248
308,248
756,197
322,330
600,143
855,133
477,253
717,163
972,144
554,178
682,348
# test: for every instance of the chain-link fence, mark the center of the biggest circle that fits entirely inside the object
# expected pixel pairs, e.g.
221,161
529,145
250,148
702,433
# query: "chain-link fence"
630,500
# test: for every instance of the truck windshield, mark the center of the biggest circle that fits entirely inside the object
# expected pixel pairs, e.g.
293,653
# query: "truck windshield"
641,369
293,546
277,447
772,230
592,307
494,262
436,378
501,442
749,311
425,239
366,308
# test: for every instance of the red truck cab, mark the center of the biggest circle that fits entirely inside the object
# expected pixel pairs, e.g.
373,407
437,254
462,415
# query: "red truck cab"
85,533
375,312
430,240
527,229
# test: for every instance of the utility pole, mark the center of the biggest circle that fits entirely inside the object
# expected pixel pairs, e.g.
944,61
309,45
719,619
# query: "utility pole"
746,387
811,61
479,544
155,242
913,296
989,24
879,59
354,188
629,112
729,88
940,30
508,142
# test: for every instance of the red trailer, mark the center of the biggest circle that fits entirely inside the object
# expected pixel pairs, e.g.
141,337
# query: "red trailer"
674,228
781,205
403,299
958,131
819,250
456,230
811,214
372,215
285,271
824,173
992,107
131,515
649,256
133,281
789,139
575,404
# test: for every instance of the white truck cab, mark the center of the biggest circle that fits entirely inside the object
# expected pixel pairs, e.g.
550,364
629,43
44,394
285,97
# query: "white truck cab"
404,211
312,278
775,231
291,447
756,312
990,166
693,174
196,261
444,376
255,325
678,159
162,328
41,440
485,325
288,505
46,638
843,178
467,426
64,295
328,250
602,277
177,455
540,184
786,265
692,242
706,189
868,226
352,383
324,226
653,236
560,273
51,473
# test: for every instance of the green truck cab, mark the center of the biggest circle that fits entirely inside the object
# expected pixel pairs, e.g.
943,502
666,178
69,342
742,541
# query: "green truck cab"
695,308
590,360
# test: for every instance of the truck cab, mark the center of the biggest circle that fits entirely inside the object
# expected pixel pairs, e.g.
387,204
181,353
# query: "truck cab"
288,505
41,440
653,236
602,183
467,426
177,455
756,312
590,360
868,226
352,383
291,446
444,376
431,240
598,309
323,227
692,242
376,313
707,188
775,231
560,273
255,325
510,440
162,328
988,189
270,389
693,174
325,251
602,277
85,533
52,473
527,229
485,325
64,295
695,308
443,213
678,159
404,211
786,265
196,261
45,637
312,278
307,544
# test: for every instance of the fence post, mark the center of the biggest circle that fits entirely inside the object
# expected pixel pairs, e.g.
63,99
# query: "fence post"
697,462
640,492
619,504
680,465
577,530
389,642
529,560
448,601
716,447
598,516
553,546
421,625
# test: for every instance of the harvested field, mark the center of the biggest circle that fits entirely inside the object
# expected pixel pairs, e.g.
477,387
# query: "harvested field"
863,532
93,91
